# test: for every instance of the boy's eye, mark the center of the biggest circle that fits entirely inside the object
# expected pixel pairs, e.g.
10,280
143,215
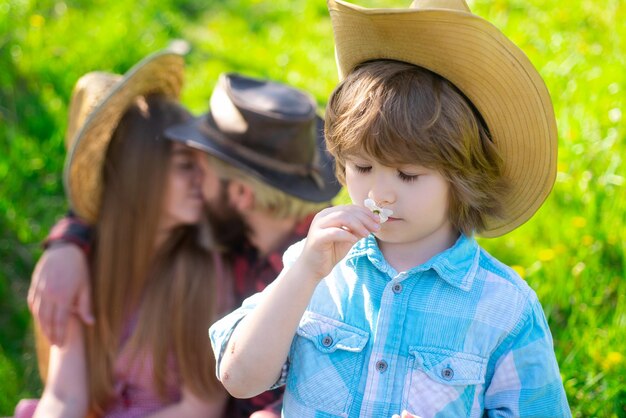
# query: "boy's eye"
362,168
407,177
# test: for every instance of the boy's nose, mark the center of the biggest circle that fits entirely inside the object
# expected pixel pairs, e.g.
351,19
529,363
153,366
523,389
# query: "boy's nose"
381,197
381,191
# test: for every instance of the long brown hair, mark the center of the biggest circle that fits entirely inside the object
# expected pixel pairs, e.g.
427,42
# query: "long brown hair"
169,289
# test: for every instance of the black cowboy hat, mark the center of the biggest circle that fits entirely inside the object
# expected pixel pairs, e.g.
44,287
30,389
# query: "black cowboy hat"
268,129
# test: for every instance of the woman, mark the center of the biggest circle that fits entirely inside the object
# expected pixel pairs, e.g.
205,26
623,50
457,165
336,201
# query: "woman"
154,275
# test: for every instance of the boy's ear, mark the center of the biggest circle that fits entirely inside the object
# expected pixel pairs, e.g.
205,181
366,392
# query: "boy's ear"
241,195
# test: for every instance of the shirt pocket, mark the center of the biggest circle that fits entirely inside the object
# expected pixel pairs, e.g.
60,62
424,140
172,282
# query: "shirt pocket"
325,363
439,379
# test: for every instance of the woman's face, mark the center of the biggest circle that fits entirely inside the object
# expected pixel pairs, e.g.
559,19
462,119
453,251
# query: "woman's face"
183,202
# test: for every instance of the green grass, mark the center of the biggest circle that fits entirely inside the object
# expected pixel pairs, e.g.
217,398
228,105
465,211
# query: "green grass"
572,252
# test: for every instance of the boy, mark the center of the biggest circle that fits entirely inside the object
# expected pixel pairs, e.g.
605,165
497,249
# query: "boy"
369,319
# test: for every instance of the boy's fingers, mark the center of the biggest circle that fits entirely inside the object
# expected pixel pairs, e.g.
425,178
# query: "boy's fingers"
350,210
359,222
357,229
338,235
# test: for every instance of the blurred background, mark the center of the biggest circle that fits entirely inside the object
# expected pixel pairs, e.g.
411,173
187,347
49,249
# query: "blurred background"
573,252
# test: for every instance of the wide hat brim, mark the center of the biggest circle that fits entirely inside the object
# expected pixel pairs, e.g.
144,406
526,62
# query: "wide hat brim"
487,67
159,73
201,133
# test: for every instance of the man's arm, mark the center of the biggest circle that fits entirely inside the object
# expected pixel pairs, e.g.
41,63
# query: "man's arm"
259,345
60,282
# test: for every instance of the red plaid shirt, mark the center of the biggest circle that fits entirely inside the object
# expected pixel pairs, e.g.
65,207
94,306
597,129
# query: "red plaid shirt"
251,273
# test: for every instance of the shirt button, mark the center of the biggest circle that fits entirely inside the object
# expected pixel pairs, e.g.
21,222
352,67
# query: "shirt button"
327,341
381,366
397,288
447,373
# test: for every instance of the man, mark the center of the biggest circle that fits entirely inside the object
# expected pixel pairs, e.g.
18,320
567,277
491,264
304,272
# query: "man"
266,175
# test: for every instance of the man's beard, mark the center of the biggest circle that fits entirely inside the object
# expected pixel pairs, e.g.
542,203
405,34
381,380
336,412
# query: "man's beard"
229,228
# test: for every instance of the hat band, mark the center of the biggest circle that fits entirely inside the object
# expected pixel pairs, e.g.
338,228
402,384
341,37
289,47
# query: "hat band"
312,170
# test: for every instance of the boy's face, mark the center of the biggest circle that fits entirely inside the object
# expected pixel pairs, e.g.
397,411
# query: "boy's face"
417,196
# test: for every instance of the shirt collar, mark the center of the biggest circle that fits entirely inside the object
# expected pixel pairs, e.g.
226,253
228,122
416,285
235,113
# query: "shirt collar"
457,265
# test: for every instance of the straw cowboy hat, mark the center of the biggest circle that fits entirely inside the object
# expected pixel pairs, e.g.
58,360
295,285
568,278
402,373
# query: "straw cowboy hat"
99,101
268,129
444,36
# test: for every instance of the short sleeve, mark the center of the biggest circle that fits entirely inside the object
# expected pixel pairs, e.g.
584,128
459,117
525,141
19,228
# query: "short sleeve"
526,379
292,253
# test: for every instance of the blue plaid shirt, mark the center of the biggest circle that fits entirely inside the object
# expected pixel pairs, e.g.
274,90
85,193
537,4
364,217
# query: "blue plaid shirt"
461,335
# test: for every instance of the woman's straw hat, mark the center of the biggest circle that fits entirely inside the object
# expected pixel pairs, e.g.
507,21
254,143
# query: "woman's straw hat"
443,36
99,101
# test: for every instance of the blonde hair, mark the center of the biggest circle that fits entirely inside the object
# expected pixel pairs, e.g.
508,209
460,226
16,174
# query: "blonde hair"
169,290
268,198
399,113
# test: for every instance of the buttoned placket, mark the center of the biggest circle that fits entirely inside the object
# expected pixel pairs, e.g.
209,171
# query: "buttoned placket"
382,369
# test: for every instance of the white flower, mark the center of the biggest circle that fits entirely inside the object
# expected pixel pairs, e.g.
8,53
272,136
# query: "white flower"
383,213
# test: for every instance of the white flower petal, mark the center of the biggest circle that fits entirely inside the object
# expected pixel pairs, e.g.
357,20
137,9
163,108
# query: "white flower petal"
370,204
383,213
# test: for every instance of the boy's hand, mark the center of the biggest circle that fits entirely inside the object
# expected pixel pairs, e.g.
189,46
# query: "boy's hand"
331,235
405,414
